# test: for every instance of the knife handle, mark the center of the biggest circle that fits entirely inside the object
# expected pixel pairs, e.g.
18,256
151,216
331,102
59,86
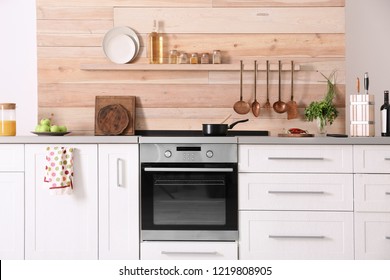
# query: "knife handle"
366,82
358,85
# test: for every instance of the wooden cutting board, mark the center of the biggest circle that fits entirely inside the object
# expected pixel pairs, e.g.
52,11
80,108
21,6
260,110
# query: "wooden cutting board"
115,115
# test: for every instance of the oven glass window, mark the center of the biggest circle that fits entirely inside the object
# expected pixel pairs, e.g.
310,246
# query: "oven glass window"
189,199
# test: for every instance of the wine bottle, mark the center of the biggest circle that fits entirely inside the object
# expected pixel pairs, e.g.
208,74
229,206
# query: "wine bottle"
385,115
156,44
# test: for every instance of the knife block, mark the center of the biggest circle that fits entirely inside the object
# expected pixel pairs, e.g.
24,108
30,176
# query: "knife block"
362,115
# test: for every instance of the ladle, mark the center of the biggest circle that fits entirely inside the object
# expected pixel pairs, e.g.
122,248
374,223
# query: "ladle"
279,106
292,107
241,107
255,104
267,105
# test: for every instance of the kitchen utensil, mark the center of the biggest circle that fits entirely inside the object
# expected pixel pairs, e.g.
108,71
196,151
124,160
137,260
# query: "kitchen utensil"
120,49
267,105
279,106
113,119
241,107
219,129
255,104
225,119
292,107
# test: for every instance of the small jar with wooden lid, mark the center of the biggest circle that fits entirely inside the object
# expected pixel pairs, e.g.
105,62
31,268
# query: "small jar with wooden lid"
7,119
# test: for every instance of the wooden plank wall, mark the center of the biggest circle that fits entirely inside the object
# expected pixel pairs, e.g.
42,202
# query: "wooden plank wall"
70,33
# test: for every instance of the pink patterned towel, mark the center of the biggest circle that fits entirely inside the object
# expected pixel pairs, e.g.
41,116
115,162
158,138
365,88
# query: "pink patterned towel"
59,170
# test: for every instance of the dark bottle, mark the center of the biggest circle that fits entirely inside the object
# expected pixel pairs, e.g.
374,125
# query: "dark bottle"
385,115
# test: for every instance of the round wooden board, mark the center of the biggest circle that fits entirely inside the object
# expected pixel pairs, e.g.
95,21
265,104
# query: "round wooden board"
113,119
295,135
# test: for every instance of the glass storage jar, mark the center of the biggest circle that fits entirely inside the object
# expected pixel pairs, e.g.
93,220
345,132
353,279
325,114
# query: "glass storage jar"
7,119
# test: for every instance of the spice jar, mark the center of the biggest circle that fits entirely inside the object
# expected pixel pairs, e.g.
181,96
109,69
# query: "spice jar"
7,119
205,58
172,57
217,57
194,58
183,58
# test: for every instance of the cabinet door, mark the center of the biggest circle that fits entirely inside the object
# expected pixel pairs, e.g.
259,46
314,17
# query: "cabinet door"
62,226
372,192
372,236
118,202
296,235
11,216
372,158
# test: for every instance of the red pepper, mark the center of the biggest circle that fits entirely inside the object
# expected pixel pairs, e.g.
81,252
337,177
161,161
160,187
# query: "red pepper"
297,131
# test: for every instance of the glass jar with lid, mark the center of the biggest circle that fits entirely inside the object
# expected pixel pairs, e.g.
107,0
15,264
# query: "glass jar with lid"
7,119
217,58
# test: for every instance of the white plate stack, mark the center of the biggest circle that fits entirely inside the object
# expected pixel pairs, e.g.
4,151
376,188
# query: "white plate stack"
121,44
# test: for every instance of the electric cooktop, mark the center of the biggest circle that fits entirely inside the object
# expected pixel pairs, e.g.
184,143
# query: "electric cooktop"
192,133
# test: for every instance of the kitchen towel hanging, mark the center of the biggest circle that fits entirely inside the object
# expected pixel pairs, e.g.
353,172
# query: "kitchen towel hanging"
59,170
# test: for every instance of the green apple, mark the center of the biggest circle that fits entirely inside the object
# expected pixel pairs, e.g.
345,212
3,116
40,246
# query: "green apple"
63,128
45,122
44,128
55,128
38,128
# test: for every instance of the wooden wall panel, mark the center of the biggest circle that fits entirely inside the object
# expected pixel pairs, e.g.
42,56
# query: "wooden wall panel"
237,20
70,34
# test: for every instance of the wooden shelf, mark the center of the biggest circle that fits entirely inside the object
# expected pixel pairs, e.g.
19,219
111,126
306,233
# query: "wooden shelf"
182,67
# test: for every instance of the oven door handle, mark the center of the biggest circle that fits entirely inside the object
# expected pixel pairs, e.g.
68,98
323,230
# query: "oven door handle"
178,169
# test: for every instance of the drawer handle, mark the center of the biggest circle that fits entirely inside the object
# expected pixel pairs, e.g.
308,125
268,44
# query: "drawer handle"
296,192
296,158
188,253
386,158
387,237
387,193
297,236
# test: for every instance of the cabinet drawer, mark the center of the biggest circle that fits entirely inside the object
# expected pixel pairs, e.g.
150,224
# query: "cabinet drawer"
372,192
372,159
267,191
11,157
295,235
189,250
295,158
372,236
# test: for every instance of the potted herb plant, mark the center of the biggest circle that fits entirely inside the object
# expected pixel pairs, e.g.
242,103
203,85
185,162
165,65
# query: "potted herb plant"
324,111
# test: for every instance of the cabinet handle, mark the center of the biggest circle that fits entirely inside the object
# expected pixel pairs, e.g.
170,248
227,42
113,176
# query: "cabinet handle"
386,158
297,236
296,158
387,193
296,192
189,253
119,172
387,237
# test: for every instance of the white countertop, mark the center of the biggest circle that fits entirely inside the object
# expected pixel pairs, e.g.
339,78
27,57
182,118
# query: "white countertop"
266,140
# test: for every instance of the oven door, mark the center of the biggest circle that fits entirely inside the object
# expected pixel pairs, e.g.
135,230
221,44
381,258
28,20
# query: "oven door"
189,201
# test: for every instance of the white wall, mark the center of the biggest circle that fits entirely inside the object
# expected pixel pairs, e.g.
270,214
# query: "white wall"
368,48
18,63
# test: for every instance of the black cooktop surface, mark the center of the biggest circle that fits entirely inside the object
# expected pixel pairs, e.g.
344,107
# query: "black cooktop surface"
195,133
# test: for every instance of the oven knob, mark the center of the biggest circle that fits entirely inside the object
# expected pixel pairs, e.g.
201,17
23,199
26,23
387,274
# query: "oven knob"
168,154
209,154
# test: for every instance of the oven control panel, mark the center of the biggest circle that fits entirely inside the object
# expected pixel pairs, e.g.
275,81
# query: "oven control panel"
188,152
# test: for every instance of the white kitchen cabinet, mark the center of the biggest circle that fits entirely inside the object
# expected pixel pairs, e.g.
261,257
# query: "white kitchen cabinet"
372,159
118,201
267,191
296,235
372,192
12,157
295,158
372,236
154,250
62,226
11,215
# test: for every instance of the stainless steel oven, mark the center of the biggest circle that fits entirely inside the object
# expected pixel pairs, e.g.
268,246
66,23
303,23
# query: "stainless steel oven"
189,191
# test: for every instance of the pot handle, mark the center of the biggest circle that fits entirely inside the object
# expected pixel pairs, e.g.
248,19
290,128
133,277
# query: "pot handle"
240,121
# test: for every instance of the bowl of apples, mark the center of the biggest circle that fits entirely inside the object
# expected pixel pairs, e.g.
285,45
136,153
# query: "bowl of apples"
45,128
